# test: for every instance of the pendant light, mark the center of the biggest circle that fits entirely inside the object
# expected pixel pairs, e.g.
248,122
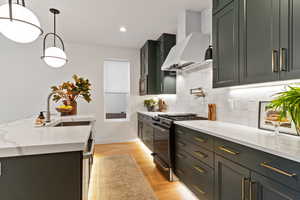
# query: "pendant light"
209,52
18,23
53,55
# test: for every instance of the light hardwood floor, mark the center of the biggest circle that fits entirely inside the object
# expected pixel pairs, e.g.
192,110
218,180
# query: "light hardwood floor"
163,189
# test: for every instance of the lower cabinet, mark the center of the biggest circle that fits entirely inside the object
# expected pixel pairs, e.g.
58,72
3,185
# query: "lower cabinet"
230,180
140,129
237,173
148,135
263,188
51,176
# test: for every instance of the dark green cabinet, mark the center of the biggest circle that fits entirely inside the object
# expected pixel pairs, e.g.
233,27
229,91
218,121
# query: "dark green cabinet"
219,4
263,188
53,176
226,46
153,55
148,63
140,129
266,46
230,180
166,80
148,135
145,130
259,41
290,39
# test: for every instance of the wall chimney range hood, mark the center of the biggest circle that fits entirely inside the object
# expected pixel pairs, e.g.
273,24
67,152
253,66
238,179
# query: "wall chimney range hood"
191,43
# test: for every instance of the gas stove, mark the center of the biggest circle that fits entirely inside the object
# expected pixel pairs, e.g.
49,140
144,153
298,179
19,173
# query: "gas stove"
181,117
163,140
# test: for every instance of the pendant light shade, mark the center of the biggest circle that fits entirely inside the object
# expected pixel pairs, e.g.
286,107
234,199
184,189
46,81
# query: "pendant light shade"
18,23
208,53
53,55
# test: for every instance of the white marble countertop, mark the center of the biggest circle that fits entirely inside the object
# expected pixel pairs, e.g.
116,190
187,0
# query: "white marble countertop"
285,146
21,137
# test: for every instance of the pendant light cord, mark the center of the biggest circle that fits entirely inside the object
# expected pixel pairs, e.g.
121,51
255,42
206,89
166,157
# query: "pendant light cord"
54,30
10,9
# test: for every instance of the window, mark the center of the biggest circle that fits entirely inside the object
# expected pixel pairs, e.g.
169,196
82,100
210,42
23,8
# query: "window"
116,89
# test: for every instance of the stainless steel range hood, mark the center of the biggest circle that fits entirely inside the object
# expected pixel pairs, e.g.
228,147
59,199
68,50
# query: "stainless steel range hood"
191,43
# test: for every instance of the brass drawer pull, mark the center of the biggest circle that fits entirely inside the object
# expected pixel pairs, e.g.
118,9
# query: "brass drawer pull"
181,144
264,164
198,189
200,154
199,169
180,155
180,171
200,139
222,148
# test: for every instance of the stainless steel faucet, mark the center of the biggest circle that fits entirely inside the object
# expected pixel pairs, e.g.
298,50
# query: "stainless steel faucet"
48,107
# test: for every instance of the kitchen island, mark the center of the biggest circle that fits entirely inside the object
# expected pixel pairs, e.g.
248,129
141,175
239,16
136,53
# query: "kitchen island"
51,162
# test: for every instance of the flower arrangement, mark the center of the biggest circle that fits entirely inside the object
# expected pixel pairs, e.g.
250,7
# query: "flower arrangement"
150,104
68,92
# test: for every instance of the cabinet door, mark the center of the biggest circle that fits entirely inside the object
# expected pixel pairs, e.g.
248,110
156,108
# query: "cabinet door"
148,135
225,42
266,189
290,39
259,41
53,176
140,129
230,180
219,4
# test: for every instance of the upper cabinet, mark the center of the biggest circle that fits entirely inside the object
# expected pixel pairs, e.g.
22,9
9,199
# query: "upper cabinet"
153,54
225,26
266,41
289,39
219,4
148,68
166,80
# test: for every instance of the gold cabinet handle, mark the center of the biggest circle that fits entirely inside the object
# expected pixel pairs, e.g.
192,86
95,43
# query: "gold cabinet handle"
181,144
200,139
199,169
283,59
198,189
253,190
222,148
282,172
180,171
180,155
200,154
274,61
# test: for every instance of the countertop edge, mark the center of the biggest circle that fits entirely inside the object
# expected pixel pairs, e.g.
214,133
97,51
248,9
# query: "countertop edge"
241,142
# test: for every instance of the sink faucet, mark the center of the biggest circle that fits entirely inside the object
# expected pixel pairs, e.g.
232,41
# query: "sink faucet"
48,107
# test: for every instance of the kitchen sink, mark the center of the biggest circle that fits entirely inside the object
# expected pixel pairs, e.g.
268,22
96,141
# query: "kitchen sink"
78,123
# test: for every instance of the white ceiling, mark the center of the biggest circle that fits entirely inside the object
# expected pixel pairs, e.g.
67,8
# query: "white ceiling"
98,21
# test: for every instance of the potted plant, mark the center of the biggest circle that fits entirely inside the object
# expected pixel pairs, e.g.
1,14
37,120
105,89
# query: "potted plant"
287,103
150,104
69,92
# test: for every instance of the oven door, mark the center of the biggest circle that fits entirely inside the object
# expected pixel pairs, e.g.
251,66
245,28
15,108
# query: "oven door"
161,146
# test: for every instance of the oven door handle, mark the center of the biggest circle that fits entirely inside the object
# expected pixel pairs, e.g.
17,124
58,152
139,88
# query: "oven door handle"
90,153
158,127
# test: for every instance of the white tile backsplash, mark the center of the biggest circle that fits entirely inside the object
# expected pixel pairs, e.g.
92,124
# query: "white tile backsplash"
234,104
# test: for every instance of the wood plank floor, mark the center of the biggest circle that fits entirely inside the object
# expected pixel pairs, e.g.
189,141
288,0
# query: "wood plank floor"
163,189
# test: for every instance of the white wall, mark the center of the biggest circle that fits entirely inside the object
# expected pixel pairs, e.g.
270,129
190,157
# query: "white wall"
25,83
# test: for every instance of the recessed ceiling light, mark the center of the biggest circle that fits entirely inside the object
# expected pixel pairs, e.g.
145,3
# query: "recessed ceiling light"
123,29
